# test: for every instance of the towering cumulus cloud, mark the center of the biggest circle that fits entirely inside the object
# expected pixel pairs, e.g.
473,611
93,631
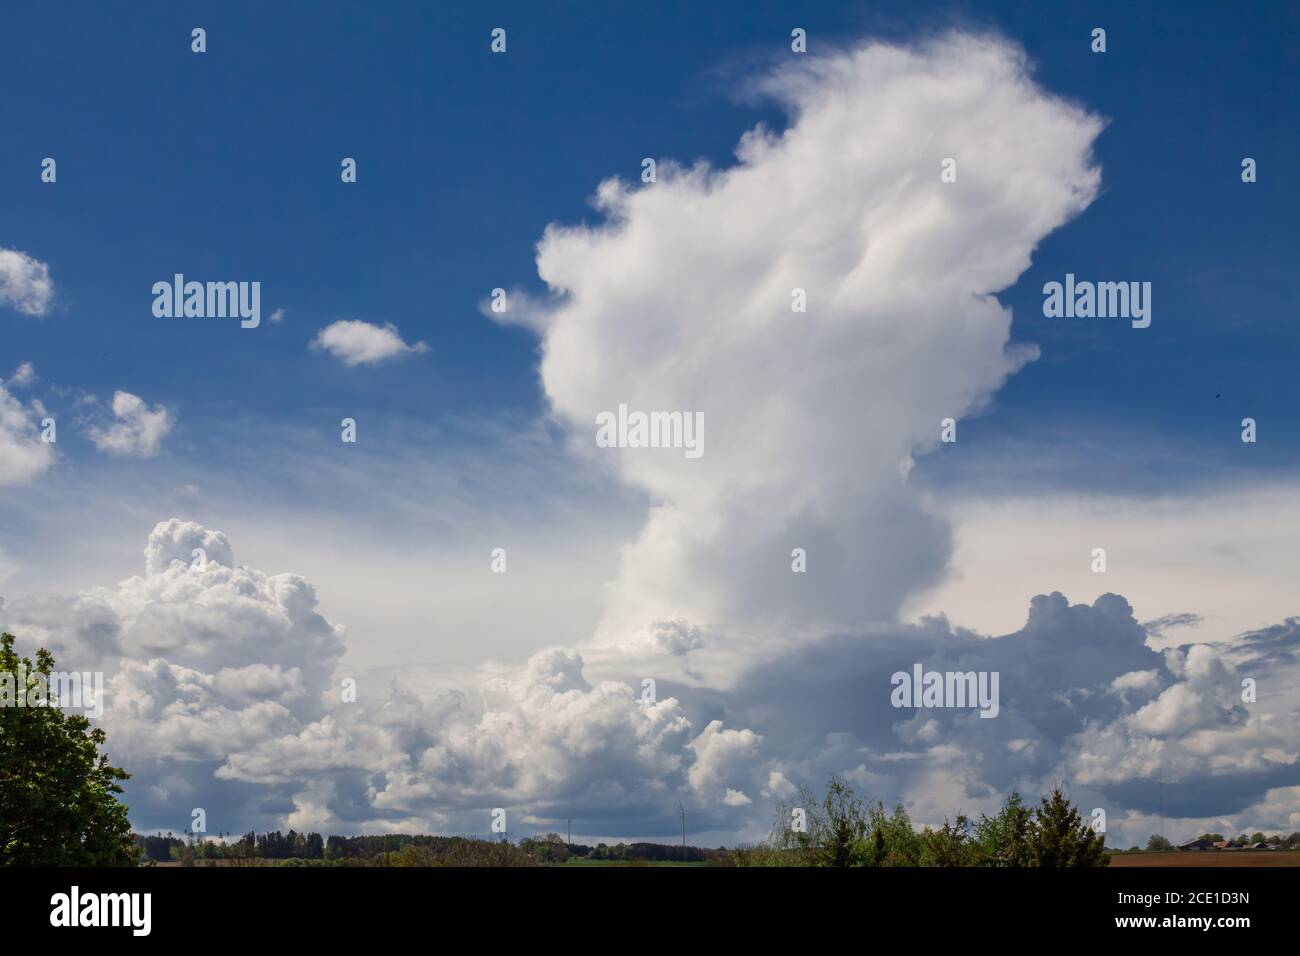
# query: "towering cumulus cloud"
227,687
683,300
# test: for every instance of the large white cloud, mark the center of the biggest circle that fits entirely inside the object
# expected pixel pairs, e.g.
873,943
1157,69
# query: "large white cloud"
682,301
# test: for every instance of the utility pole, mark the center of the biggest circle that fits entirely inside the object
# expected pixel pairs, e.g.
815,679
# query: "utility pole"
570,831
1162,799
682,810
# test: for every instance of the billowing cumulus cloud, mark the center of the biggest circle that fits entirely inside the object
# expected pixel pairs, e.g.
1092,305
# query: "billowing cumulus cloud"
203,658
136,430
1084,701
361,343
539,740
228,689
683,301
224,690
25,284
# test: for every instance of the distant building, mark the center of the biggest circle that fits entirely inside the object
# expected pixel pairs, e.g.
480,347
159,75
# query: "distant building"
1200,844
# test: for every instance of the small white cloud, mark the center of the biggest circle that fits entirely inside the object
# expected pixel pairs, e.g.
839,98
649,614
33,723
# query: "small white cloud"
138,431
25,283
1144,681
779,786
669,636
24,374
721,755
23,455
175,540
278,315
361,343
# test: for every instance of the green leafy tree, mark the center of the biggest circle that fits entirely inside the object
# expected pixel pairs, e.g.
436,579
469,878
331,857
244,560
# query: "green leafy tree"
837,831
1157,842
1003,840
893,840
841,831
1060,837
950,845
57,792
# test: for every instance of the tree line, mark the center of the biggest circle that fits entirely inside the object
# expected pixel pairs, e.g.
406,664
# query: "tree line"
1159,843
840,829
404,849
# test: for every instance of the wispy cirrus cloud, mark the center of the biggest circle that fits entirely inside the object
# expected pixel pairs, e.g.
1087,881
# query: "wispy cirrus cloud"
23,375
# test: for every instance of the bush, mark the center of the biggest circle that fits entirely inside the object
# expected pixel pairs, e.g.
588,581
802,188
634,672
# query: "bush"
840,830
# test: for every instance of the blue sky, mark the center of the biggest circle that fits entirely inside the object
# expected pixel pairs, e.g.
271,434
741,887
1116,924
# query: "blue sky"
225,166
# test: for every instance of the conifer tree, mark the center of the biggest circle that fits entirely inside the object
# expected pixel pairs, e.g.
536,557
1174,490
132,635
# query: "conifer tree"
1060,837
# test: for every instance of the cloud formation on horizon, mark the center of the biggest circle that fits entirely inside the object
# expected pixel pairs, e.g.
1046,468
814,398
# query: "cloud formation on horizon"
225,690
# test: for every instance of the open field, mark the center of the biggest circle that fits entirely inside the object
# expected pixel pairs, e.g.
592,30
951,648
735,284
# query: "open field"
1211,858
